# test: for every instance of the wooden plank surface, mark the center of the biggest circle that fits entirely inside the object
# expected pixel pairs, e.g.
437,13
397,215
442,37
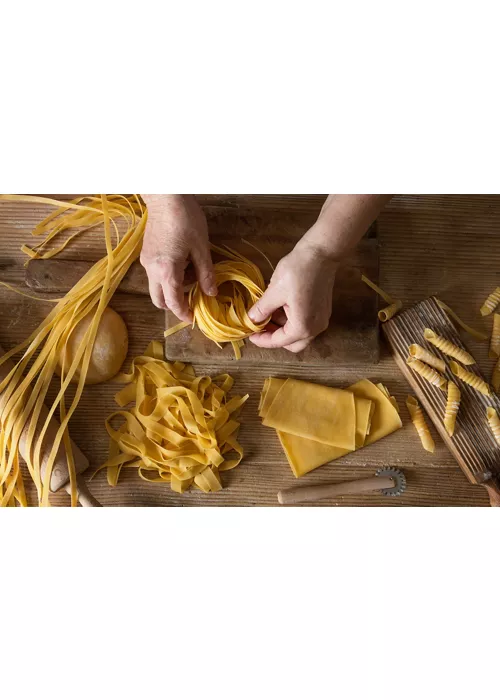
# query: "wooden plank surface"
444,245
472,444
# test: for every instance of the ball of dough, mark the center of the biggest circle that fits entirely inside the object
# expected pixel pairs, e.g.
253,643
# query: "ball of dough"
110,347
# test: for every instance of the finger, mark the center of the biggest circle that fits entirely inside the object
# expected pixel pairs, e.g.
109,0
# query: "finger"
156,294
299,345
267,304
278,339
204,267
177,302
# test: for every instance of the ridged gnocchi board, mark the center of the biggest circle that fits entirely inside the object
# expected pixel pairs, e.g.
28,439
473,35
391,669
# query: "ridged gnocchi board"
473,444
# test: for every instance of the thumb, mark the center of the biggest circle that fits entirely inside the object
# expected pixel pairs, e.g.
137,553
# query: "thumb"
202,261
267,304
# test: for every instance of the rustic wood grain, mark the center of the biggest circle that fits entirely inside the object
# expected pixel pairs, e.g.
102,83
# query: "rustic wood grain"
444,245
472,444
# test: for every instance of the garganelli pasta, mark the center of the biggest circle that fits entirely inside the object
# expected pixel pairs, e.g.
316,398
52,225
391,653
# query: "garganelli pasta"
448,347
495,338
420,353
25,387
224,318
180,427
495,379
427,373
470,378
452,407
418,420
493,422
491,303
395,305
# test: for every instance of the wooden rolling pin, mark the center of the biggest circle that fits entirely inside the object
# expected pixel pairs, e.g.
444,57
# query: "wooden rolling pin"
60,475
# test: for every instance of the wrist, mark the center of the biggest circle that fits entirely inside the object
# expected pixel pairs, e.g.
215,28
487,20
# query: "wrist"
159,200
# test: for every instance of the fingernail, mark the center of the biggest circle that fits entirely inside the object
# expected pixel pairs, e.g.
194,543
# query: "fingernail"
213,291
252,314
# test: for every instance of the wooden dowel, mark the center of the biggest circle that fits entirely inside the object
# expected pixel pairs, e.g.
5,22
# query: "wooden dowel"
303,494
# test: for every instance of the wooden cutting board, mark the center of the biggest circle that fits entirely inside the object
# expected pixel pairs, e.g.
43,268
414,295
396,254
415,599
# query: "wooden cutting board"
473,444
353,332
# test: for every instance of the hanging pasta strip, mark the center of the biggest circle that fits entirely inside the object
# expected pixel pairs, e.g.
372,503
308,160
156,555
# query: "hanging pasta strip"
394,305
475,334
25,386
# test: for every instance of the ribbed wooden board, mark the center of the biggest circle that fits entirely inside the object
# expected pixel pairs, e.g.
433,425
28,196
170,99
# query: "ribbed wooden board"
473,444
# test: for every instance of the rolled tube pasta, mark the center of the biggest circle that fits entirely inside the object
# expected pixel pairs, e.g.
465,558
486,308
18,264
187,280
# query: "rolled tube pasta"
420,353
495,379
427,373
495,338
418,420
390,311
452,407
491,303
470,378
448,347
494,423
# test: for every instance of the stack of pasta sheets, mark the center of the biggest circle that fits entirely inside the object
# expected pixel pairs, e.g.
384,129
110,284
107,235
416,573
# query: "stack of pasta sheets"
317,424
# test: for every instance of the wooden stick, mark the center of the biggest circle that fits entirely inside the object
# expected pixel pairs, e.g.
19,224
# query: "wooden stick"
85,498
302,494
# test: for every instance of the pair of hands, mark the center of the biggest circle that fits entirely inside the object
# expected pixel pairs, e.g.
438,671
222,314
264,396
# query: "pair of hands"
299,296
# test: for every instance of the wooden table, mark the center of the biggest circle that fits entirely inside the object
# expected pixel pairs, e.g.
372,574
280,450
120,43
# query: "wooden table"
430,244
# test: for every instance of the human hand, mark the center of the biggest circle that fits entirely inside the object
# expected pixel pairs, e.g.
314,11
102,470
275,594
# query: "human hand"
299,298
176,234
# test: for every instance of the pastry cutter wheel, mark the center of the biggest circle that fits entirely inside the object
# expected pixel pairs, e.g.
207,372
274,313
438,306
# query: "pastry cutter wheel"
389,481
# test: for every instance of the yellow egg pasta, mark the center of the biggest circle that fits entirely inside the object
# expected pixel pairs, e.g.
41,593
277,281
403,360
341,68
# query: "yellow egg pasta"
470,378
25,387
427,373
493,422
491,303
180,428
224,318
418,420
495,379
475,334
495,338
420,353
452,408
395,305
448,348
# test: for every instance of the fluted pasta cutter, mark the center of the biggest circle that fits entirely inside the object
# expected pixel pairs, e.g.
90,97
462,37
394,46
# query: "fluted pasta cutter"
388,481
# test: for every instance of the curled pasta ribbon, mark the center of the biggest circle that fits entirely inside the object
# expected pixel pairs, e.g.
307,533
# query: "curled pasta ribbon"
427,373
452,407
392,399
448,347
180,427
491,303
25,387
470,378
475,334
493,422
224,318
494,351
420,353
395,305
418,420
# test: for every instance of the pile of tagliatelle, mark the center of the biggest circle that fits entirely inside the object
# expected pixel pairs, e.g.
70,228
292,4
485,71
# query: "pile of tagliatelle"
180,428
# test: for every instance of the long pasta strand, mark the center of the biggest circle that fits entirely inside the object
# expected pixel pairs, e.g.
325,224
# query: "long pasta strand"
452,407
395,305
25,387
470,378
418,420
427,373
448,347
